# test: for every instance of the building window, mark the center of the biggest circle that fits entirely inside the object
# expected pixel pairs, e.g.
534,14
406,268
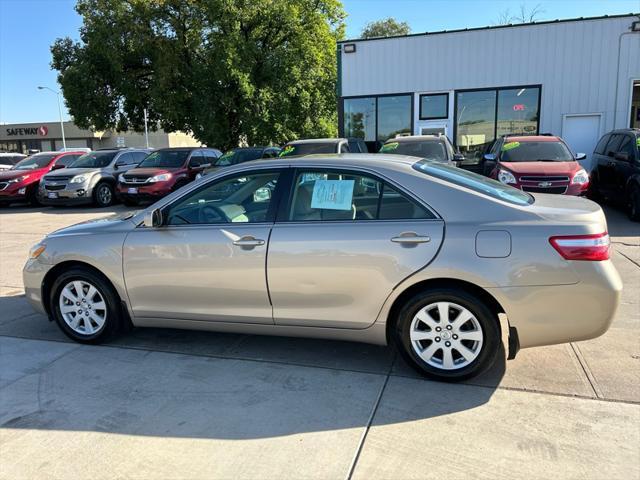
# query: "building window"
475,121
360,118
517,111
394,116
481,116
377,117
434,106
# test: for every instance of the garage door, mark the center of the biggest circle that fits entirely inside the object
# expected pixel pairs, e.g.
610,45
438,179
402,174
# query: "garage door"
582,132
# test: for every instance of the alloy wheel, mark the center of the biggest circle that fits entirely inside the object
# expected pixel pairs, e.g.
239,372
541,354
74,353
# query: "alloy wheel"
446,335
82,307
104,195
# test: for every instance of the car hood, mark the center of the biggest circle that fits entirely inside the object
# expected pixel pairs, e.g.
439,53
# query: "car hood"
542,168
70,172
11,174
112,224
150,172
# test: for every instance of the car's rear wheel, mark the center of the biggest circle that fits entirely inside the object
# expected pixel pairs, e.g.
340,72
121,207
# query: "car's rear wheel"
634,204
103,195
448,334
85,306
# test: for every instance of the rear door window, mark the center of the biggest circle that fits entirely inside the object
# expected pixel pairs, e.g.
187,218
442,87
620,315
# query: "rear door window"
613,144
347,196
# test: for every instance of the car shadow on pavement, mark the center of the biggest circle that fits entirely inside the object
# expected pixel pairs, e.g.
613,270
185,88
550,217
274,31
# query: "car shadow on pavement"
175,383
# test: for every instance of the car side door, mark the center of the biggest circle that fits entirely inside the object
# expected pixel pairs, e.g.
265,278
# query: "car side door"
624,159
206,262
607,166
342,242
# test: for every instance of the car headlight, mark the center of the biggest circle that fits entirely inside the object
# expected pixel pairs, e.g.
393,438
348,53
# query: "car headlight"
78,179
581,177
163,177
121,178
37,250
505,176
18,179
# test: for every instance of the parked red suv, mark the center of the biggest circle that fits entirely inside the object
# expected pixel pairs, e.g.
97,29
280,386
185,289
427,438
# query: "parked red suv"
162,172
536,163
20,182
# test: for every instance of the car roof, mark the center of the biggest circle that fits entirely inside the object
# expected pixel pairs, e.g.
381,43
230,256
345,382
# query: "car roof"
531,138
417,138
315,140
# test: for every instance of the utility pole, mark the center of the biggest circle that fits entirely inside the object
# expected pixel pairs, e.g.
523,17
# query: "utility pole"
64,142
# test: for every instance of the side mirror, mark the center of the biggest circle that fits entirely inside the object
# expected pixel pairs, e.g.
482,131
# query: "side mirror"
489,157
118,164
581,156
153,219
58,167
624,156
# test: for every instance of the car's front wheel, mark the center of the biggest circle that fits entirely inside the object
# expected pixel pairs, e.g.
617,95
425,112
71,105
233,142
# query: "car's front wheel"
448,334
85,306
103,195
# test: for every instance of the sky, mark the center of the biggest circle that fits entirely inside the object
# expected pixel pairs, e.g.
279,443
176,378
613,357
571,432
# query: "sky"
29,27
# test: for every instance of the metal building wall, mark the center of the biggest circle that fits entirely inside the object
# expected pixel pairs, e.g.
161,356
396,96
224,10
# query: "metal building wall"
578,64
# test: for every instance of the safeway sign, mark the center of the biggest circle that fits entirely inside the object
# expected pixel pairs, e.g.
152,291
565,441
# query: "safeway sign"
41,131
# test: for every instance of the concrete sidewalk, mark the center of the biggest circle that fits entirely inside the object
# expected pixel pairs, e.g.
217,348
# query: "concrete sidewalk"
181,404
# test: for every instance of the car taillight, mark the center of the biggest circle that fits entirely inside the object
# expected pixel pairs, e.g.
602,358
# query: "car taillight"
583,247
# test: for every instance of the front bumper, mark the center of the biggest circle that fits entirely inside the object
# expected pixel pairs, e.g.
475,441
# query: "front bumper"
33,275
76,195
152,192
548,315
14,193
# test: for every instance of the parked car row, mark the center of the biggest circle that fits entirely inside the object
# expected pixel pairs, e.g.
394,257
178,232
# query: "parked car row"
532,163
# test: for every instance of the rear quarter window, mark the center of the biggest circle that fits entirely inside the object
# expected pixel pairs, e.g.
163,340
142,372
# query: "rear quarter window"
473,181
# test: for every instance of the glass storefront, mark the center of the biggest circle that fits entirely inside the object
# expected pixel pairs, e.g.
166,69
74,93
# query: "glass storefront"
394,116
484,115
377,117
360,118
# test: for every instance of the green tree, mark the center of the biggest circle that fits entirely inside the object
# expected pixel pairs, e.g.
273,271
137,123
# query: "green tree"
260,71
389,27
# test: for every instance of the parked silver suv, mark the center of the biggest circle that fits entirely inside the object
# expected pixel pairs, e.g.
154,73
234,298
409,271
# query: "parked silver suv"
91,179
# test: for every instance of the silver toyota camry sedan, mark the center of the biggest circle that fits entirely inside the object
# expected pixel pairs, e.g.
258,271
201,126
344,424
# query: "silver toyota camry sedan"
368,248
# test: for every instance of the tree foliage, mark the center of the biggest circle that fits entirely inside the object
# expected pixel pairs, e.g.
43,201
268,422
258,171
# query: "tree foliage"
389,27
259,71
524,15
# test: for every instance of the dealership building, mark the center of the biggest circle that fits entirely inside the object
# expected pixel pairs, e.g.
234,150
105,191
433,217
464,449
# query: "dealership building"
577,78
47,136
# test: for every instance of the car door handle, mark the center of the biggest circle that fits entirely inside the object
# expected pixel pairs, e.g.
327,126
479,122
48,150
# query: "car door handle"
248,241
410,238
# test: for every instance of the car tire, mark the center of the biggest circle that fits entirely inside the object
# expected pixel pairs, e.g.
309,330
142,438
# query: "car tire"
457,348
634,204
32,196
103,195
85,306
593,191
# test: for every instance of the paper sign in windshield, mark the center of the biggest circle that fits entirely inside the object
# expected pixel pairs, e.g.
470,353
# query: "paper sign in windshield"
510,146
333,194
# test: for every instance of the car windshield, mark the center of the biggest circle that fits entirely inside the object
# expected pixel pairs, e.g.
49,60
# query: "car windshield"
165,159
10,159
238,155
535,152
35,161
473,181
429,149
94,160
308,149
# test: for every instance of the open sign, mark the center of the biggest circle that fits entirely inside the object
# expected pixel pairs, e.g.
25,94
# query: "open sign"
518,107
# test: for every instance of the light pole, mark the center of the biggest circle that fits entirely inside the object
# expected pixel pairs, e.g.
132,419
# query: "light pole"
64,142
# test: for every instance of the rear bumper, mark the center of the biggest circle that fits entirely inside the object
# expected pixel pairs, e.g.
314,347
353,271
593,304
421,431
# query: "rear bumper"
548,315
